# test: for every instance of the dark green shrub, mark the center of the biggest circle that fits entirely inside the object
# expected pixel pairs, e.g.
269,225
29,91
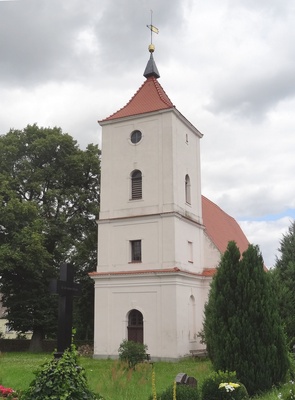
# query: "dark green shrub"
132,352
211,391
183,392
60,379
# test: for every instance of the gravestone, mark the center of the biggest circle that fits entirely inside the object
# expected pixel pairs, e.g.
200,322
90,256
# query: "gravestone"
191,381
181,378
66,289
184,379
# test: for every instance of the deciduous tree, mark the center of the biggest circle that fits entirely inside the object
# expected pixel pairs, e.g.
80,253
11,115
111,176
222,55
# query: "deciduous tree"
49,198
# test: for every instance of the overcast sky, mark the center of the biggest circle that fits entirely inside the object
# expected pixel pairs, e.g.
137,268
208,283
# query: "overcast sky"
228,66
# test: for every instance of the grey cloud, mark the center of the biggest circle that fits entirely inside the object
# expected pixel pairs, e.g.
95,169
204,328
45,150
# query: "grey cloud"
253,98
123,33
268,234
256,71
275,8
37,39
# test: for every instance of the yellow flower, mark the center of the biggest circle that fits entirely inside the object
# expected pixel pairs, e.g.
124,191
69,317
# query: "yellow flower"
154,390
234,385
229,387
174,391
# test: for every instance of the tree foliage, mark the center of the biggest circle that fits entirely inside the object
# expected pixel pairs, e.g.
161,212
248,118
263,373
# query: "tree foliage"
284,277
86,259
242,327
49,191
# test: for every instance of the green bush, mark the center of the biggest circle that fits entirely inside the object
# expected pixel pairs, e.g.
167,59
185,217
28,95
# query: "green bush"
287,391
183,392
60,379
132,352
211,391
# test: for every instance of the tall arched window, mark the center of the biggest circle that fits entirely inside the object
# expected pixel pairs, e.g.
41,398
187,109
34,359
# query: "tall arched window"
187,189
135,326
192,318
136,185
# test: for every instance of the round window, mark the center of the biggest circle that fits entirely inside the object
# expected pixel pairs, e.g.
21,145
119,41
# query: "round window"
136,136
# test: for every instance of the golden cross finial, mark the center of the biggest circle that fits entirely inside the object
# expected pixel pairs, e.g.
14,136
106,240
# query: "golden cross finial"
152,29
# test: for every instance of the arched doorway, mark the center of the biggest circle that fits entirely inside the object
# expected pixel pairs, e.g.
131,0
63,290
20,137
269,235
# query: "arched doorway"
135,326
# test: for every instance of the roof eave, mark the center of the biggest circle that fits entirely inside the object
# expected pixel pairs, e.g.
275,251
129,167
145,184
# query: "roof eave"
188,124
151,113
129,117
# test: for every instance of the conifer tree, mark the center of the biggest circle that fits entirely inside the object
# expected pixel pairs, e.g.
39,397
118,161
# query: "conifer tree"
221,308
284,278
242,327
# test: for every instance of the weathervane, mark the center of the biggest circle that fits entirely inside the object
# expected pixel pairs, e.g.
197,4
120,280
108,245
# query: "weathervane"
152,29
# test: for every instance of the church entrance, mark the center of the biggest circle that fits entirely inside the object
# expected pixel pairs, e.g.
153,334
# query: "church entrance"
135,326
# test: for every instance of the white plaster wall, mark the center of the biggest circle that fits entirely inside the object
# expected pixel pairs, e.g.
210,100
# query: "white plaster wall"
163,156
185,232
157,237
120,157
164,302
186,160
211,253
164,239
164,223
167,152
187,340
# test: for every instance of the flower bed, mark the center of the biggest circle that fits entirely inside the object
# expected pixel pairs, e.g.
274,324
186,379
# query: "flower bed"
7,393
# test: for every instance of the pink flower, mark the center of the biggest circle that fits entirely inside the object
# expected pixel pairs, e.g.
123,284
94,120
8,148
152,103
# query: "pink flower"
5,391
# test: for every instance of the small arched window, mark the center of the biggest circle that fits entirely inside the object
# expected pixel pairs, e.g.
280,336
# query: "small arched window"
187,189
136,185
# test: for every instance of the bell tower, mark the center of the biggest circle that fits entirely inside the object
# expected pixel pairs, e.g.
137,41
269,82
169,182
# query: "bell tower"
150,213
150,229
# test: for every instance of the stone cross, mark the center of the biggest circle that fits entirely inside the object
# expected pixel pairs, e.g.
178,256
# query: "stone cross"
66,289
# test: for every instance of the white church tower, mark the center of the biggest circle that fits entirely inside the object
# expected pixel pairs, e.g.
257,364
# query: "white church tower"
149,283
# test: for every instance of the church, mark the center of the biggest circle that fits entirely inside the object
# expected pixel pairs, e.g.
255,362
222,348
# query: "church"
159,239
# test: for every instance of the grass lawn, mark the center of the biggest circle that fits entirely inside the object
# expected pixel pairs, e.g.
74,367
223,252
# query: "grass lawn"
107,377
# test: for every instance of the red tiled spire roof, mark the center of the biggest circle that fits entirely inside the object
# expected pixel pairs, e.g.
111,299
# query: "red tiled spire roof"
149,97
221,227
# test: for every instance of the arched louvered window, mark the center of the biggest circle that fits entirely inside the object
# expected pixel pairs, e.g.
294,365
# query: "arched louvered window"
187,189
136,185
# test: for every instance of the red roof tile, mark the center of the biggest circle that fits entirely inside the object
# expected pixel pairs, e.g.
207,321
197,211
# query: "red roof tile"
209,271
221,227
149,97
